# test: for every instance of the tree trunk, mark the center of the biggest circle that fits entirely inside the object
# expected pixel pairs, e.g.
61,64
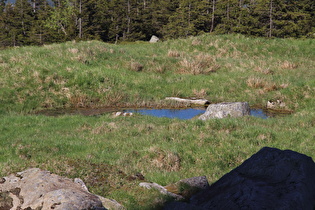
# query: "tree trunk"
270,18
128,17
212,18
80,19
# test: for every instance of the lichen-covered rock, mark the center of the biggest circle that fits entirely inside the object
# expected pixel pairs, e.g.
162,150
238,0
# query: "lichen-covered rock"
38,189
222,110
270,179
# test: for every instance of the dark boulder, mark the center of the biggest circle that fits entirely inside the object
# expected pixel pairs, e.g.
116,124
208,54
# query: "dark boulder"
270,179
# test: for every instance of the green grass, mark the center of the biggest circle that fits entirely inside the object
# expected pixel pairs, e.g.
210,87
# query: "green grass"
107,152
96,74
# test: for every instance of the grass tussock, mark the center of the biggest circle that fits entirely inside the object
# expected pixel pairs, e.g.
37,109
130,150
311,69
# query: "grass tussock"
202,93
164,160
199,64
173,53
263,70
114,97
288,65
135,66
261,83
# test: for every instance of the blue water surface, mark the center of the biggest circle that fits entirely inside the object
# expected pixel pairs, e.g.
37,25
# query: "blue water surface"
185,114
258,113
182,114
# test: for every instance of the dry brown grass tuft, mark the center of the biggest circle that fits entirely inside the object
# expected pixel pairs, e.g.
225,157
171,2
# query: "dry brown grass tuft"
176,93
284,85
78,100
263,70
196,42
159,69
36,75
135,66
257,82
113,97
66,92
288,65
271,87
73,50
165,160
200,64
155,67
200,93
104,128
173,53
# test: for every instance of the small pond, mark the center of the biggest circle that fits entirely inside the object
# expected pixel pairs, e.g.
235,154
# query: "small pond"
185,114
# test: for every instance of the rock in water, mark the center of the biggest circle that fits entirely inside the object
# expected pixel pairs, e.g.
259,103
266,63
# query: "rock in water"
270,179
222,110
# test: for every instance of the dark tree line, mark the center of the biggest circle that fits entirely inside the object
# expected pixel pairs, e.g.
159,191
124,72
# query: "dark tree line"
36,22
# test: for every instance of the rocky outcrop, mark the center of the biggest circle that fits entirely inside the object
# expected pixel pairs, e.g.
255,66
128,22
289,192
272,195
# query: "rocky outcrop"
222,110
270,179
38,189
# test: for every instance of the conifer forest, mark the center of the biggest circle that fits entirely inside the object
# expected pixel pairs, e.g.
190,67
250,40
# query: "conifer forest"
38,22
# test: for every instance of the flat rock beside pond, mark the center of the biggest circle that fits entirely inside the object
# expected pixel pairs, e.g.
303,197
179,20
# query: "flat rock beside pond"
222,110
270,179
38,189
200,102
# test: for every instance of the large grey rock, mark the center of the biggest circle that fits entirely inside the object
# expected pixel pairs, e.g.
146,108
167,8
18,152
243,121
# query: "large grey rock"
270,179
222,110
154,39
38,189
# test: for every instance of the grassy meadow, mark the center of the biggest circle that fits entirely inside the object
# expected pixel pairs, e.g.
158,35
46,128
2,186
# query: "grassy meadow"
108,153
